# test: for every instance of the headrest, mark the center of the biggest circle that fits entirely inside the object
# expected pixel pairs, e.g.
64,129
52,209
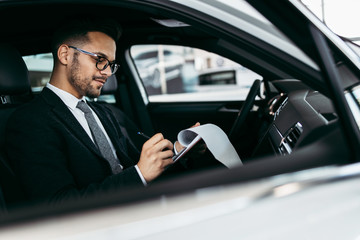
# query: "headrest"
110,86
14,77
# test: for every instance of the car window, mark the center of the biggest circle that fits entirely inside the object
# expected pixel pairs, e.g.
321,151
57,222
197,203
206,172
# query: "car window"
172,73
40,67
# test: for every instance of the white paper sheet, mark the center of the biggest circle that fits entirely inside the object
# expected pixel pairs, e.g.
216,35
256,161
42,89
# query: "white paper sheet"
216,141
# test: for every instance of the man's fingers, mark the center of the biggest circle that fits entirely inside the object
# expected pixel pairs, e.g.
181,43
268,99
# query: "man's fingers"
166,144
157,144
163,145
167,162
155,139
166,154
196,125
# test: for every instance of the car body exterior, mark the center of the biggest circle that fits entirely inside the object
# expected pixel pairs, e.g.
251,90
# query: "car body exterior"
308,189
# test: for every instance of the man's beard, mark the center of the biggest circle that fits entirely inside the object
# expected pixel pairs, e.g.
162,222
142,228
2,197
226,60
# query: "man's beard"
82,85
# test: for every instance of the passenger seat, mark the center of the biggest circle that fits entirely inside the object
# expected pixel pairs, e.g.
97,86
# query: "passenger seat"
14,90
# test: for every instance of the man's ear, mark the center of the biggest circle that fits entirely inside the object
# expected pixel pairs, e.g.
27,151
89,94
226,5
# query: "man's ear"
63,54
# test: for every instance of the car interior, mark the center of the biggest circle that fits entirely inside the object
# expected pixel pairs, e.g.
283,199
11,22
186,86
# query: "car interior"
286,123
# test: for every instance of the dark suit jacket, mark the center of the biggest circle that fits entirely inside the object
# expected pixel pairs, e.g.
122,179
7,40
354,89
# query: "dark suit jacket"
54,157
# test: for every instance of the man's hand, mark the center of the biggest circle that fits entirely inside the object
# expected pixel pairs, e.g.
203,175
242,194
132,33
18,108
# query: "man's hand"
180,147
156,154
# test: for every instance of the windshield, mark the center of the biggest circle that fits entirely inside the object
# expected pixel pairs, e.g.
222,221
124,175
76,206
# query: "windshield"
354,47
241,15
340,16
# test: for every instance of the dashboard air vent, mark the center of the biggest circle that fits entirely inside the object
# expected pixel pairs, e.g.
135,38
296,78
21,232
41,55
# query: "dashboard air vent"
290,139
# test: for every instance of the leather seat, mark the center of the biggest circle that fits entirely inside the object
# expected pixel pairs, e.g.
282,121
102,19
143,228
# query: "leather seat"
128,127
15,89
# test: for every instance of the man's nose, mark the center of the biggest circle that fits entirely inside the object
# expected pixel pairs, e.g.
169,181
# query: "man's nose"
106,71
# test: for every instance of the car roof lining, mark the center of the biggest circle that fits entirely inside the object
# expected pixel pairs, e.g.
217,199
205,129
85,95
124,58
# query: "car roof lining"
36,31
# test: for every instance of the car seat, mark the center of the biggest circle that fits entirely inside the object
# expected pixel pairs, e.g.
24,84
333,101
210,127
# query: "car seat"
14,90
128,127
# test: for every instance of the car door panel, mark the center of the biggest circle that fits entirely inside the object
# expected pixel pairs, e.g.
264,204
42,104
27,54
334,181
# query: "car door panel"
170,118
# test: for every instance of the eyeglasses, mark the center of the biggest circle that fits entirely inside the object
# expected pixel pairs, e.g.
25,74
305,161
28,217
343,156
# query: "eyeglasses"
101,62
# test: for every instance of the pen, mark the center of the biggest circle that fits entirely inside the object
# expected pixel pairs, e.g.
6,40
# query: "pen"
143,134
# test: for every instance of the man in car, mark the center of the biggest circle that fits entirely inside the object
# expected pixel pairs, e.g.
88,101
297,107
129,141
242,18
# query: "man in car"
62,146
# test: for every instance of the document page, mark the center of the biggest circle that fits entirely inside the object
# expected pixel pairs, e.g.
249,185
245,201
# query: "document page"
216,141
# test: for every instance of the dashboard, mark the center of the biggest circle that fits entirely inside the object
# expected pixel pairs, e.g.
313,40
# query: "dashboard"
297,118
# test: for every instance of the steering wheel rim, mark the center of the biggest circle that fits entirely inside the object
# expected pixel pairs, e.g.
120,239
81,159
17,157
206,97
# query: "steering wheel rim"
245,110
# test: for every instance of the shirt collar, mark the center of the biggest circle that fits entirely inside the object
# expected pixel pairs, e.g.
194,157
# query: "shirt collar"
69,99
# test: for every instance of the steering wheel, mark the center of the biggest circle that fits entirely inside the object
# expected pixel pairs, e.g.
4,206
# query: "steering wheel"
244,110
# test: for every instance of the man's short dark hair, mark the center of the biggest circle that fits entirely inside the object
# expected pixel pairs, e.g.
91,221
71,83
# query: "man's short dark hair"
74,32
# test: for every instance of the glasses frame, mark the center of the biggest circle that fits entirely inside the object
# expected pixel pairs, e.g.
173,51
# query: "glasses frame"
113,66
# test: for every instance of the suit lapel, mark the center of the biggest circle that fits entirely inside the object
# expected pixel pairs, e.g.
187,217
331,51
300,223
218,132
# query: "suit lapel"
116,137
64,115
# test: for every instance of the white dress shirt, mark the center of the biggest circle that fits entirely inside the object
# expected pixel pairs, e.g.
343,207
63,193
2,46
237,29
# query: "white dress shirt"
71,101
